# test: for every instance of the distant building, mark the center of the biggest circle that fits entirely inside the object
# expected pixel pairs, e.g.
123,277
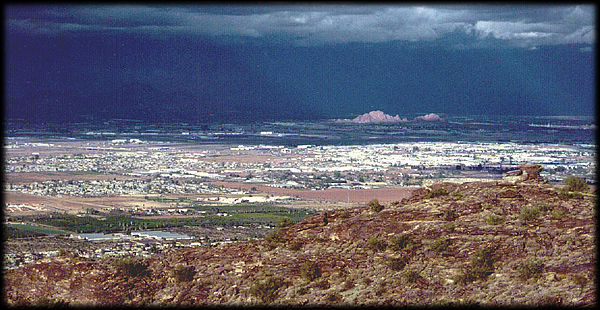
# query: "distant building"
96,237
157,234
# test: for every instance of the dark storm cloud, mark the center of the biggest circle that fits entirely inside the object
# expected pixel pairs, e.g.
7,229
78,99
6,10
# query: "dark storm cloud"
522,26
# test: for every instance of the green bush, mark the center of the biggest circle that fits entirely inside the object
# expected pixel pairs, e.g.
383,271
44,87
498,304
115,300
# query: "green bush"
302,291
581,280
401,241
275,236
333,298
348,284
284,222
437,192
576,195
411,276
132,266
295,245
323,284
396,263
183,273
266,290
559,213
449,215
375,206
310,271
531,269
494,219
440,245
563,193
575,184
529,214
344,215
482,265
542,207
376,245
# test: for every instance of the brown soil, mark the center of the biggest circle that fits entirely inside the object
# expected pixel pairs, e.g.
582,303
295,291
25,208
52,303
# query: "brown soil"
339,195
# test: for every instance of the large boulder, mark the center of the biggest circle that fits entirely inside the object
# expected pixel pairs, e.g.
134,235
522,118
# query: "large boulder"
526,173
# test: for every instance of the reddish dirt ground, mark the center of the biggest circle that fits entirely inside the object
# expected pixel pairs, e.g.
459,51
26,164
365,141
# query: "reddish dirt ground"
341,195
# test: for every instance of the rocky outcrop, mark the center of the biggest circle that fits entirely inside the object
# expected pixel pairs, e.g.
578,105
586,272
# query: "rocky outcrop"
377,117
527,173
541,250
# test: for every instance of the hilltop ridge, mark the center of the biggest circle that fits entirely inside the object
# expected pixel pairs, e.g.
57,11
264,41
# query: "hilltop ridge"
515,241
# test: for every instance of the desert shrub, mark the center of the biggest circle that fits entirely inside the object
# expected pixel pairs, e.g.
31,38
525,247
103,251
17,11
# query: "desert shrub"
411,275
183,273
333,298
401,241
529,214
376,245
531,269
302,290
563,193
575,184
494,219
580,280
46,301
375,206
450,226
295,245
440,245
284,222
559,213
542,207
396,263
131,266
550,301
449,215
381,289
344,215
266,290
275,236
482,265
348,284
437,192
323,284
485,257
576,195
310,271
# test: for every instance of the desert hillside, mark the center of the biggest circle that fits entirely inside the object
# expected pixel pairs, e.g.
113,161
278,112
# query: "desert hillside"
490,243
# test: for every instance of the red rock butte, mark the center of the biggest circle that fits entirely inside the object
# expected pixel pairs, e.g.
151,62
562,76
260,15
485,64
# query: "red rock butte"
377,117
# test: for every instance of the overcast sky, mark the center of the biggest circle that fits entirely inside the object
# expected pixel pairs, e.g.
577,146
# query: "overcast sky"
523,26
328,58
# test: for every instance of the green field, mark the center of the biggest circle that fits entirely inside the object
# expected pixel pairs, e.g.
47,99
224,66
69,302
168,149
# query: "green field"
27,230
238,215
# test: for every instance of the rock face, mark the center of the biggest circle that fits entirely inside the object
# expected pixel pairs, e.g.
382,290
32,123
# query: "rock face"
527,173
431,117
420,250
377,117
